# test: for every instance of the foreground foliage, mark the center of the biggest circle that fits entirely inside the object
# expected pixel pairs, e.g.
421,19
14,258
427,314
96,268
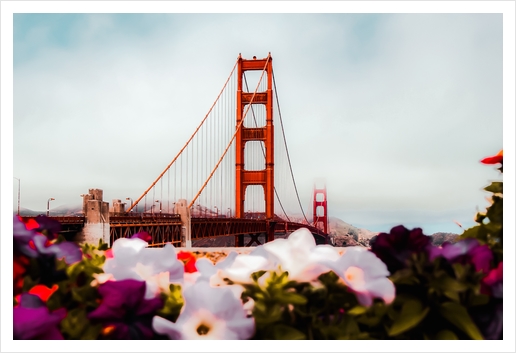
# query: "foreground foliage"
402,288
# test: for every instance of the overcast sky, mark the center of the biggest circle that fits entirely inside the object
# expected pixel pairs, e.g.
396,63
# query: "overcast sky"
394,111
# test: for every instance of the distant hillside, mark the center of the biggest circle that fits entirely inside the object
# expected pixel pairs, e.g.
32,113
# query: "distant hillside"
439,238
63,210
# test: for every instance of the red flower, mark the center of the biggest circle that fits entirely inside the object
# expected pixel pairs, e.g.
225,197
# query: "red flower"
20,263
41,291
31,224
493,159
188,260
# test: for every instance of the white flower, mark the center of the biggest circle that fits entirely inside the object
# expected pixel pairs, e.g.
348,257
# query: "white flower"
365,274
208,313
243,266
157,267
300,256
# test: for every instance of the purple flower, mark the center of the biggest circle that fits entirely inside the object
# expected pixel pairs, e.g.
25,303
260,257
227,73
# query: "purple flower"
66,250
29,240
22,236
465,251
32,320
48,226
124,312
396,247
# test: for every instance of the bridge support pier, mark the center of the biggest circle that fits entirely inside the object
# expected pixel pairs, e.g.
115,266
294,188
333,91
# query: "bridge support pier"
96,213
181,208
239,240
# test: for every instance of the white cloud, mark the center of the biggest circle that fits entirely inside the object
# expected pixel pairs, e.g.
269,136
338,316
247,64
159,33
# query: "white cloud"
395,113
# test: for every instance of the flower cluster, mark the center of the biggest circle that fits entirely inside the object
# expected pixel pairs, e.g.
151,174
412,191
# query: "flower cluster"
403,287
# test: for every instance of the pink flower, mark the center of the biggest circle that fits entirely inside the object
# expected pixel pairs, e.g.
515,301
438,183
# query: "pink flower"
364,274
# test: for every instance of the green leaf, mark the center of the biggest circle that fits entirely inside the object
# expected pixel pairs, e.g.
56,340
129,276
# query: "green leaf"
448,284
357,310
290,298
412,313
446,335
284,332
458,316
496,187
480,299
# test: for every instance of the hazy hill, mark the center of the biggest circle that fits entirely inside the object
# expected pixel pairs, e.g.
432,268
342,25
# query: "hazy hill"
63,210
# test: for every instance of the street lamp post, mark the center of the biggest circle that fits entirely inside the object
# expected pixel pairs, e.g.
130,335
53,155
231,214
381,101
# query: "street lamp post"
159,205
18,194
128,198
229,212
217,211
48,205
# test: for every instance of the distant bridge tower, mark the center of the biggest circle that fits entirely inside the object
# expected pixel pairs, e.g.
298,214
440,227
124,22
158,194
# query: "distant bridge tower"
322,203
265,134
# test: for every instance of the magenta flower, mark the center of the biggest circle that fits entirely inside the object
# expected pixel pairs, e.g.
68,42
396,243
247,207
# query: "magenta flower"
145,236
492,284
123,312
33,320
396,247
464,252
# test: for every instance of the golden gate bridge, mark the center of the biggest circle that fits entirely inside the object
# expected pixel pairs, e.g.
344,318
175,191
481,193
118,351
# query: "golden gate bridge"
232,177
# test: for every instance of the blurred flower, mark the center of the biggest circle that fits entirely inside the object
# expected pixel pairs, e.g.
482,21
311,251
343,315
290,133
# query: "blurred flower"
465,251
300,256
133,260
47,226
242,267
100,278
208,313
42,291
20,263
188,260
498,158
123,311
143,236
32,320
66,250
22,236
396,247
365,274
208,270
29,241
492,284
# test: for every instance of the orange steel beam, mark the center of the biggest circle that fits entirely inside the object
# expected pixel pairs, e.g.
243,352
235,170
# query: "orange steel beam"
264,177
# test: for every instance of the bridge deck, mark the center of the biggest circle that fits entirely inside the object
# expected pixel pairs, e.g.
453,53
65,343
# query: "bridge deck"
166,228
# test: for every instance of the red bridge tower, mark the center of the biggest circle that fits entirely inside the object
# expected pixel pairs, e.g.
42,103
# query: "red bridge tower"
321,219
265,134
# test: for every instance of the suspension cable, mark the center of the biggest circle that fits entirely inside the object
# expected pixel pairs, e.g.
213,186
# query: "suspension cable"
190,139
286,147
232,139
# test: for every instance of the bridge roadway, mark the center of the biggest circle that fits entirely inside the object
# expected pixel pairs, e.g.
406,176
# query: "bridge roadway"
166,228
